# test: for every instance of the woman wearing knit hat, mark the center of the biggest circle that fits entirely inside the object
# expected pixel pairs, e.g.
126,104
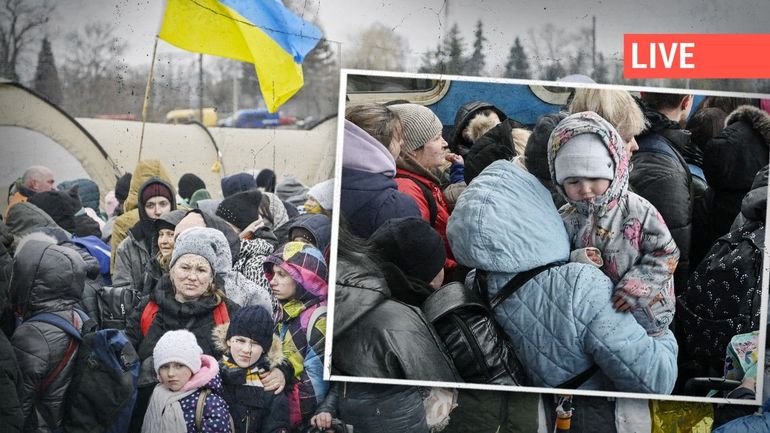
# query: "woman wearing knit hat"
369,195
156,197
423,151
189,297
188,379
251,349
298,277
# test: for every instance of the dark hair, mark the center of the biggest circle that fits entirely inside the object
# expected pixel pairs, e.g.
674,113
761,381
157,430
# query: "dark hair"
705,124
659,101
377,120
726,103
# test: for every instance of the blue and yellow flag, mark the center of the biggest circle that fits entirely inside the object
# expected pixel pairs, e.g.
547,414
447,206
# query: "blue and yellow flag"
262,32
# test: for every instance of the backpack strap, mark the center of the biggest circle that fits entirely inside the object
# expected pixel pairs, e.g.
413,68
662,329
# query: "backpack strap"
313,319
199,407
578,380
148,316
516,282
427,194
657,146
221,315
69,329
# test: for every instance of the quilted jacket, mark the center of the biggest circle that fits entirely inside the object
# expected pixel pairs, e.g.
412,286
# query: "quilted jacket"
561,322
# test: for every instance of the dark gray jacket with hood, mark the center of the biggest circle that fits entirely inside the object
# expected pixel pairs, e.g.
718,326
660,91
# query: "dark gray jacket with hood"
47,278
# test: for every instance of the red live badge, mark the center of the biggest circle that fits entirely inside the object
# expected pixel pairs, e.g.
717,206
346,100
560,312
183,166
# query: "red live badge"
696,56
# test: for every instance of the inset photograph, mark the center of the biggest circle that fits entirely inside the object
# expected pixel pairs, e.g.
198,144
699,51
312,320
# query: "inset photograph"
549,236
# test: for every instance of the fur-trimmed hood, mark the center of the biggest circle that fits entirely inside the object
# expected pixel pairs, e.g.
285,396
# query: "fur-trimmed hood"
759,119
274,356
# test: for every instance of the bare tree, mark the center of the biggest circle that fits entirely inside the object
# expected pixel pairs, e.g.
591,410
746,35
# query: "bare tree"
21,22
94,73
377,47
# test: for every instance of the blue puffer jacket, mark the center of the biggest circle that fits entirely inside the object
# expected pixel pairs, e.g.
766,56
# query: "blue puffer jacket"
561,322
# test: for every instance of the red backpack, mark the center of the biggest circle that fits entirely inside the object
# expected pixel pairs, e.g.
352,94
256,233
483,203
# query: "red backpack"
221,316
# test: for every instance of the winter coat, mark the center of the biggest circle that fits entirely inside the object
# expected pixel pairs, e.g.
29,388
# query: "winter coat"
497,143
408,166
373,408
754,204
369,195
732,159
306,356
11,416
637,249
195,316
253,409
145,169
561,322
319,225
26,217
47,278
665,182
215,417
377,336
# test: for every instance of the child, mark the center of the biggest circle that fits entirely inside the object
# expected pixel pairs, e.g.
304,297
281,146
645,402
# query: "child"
298,277
609,226
244,341
188,397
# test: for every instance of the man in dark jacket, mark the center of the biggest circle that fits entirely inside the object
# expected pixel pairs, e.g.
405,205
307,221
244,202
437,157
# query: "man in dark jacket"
11,417
660,173
47,278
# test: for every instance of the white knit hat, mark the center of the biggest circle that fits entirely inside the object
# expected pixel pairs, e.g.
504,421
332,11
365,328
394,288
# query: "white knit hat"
420,124
323,193
177,346
584,155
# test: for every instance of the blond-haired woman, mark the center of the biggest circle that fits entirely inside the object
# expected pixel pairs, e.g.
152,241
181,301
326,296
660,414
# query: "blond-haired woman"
617,107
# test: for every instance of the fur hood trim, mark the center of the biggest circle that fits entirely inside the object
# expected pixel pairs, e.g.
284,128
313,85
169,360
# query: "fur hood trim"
274,356
35,236
758,119
479,126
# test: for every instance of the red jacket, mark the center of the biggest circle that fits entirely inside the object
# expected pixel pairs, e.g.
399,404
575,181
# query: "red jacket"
410,188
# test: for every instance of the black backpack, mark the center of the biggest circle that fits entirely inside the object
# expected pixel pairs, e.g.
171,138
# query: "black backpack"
103,389
114,305
477,344
722,297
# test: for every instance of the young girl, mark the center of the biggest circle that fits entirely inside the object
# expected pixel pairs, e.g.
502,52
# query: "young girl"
609,226
251,349
188,397
298,277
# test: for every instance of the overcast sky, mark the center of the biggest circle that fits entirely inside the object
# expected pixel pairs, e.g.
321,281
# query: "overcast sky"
423,23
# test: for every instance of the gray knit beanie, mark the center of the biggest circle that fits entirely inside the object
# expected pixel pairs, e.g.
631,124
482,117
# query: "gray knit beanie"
419,122
205,242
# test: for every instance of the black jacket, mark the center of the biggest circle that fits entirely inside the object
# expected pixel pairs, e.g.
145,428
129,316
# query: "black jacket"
195,316
732,159
376,336
665,182
464,114
754,204
373,408
47,278
11,417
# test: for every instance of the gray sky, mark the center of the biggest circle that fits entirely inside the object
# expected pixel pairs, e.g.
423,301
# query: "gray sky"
423,23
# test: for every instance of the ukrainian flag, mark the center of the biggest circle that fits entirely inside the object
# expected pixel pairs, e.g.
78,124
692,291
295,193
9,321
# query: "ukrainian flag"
262,32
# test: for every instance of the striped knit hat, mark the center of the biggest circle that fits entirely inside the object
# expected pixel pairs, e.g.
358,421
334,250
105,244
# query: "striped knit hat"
420,124
305,263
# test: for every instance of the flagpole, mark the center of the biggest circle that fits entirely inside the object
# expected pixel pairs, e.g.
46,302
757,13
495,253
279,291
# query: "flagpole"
147,97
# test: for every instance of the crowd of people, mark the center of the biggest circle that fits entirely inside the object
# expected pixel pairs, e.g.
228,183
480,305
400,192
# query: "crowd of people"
584,238
222,300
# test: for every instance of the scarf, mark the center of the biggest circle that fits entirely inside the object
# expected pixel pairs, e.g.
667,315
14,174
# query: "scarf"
164,413
252,373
